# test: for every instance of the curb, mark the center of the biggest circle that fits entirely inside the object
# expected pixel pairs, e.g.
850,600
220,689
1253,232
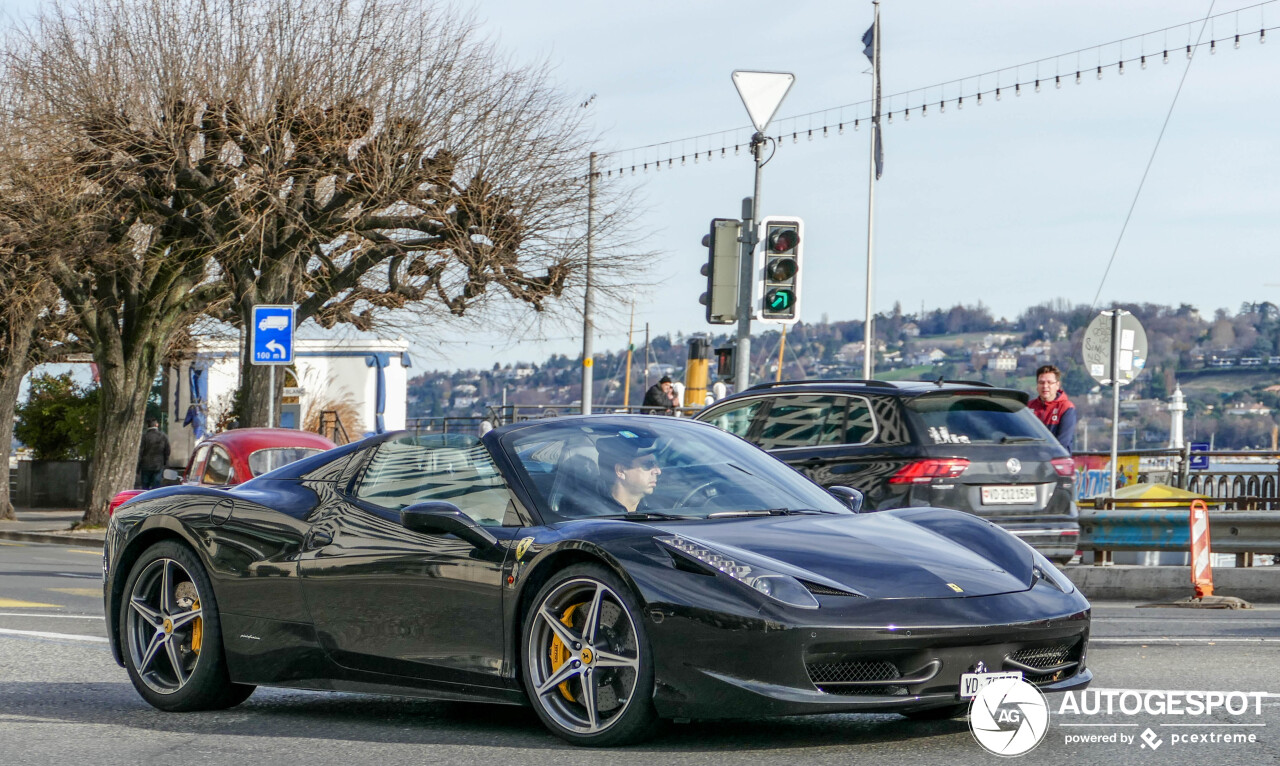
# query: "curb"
1138,583
55,538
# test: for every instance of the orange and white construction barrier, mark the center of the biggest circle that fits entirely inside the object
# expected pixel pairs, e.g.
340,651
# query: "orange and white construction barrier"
1201,569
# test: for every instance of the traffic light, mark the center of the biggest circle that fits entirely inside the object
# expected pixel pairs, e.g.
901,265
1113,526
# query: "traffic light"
721,271
779,275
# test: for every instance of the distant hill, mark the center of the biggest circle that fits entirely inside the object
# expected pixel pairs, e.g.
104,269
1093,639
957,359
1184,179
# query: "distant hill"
967,342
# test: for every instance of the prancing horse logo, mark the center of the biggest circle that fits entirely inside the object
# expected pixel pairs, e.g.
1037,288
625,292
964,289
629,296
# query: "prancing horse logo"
1014,465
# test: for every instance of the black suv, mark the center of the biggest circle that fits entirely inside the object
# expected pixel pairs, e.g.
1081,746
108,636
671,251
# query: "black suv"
952,444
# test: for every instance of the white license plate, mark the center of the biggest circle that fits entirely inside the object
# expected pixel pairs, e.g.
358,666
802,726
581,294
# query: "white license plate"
1008,495
972,683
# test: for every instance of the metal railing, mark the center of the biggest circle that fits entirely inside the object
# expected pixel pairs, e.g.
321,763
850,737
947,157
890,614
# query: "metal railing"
518,413
1257,477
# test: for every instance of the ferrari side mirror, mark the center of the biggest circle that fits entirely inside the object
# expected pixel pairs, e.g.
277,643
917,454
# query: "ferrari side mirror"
437,517
849,496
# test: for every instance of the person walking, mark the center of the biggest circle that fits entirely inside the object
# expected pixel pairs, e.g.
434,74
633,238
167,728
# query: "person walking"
153,455
1053,407
662,394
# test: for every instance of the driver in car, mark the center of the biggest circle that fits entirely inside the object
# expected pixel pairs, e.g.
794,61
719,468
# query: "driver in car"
628,474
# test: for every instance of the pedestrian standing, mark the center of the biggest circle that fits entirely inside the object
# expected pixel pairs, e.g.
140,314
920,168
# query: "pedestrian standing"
1053,407
153,455
661,394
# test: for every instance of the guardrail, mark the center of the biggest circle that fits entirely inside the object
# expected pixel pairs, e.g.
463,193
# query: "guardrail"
518,413
1241,529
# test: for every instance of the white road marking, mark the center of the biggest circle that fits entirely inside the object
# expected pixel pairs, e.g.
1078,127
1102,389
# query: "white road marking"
63,616
59,636
1187,640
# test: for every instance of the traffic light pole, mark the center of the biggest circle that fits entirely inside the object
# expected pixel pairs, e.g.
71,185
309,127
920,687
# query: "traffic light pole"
746,272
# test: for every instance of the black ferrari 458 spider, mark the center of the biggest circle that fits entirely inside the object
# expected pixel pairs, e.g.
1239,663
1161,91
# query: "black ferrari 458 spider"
610,571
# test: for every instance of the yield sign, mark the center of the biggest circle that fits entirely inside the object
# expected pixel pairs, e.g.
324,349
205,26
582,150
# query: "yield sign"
762,93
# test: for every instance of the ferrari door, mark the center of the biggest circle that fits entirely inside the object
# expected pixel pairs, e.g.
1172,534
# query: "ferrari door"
389,600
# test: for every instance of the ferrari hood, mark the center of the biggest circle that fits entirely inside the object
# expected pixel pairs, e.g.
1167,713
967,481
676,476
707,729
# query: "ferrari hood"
913,553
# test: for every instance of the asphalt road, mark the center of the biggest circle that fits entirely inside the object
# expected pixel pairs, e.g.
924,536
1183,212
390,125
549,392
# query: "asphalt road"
63,700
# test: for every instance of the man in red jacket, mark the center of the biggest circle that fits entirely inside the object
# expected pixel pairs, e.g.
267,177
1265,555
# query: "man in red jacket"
1053,407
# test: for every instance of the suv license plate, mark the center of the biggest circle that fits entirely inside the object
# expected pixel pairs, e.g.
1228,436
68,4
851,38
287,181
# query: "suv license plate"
972,683
1008,495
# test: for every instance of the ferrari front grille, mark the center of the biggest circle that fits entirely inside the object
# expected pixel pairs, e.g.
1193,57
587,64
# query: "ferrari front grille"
1042,657
845,672
1045,664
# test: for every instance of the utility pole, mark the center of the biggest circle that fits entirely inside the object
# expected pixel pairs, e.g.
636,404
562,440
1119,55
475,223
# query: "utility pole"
588,323
626,387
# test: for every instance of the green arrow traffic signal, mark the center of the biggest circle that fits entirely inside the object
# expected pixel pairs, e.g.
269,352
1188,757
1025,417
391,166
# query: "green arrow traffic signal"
780,300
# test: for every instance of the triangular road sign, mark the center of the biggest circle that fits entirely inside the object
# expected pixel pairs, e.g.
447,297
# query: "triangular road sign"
762,93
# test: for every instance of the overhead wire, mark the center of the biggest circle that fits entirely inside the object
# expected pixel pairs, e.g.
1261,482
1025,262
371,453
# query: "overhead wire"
1150,160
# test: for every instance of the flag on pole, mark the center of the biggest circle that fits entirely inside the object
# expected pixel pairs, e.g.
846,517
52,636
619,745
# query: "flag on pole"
870,45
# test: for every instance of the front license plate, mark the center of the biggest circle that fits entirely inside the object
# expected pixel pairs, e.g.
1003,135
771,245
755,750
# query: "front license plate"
972,683
1008,495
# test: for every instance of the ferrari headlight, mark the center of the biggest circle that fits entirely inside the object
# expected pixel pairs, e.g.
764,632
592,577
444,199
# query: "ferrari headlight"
1053,576
778,587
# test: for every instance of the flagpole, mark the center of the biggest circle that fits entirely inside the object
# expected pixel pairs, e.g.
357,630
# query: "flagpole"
868,334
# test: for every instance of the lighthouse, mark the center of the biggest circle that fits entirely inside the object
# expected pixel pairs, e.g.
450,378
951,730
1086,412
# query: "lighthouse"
1177,406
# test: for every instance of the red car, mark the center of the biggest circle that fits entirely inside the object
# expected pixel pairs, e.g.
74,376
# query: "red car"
233,457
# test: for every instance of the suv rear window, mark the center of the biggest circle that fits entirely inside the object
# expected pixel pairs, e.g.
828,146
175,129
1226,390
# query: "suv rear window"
975,419
809,421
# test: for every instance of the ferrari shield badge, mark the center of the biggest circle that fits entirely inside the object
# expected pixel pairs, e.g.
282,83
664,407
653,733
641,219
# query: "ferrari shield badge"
522,547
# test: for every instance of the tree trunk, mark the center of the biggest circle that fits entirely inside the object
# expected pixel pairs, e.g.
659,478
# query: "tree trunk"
10,379
14,364
124,388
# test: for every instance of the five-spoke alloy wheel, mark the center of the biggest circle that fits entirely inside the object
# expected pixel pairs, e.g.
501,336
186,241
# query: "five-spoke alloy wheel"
586,660
171,634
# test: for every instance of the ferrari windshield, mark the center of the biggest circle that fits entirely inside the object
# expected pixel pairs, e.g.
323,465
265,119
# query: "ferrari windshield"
584,467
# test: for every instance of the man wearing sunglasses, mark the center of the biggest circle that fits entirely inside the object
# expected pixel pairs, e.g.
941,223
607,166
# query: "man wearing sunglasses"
628,470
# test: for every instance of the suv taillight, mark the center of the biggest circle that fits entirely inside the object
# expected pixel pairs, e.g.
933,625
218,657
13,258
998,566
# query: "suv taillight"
924,471
1065,466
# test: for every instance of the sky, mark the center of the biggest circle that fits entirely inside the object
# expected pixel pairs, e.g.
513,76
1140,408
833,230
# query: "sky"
1011,203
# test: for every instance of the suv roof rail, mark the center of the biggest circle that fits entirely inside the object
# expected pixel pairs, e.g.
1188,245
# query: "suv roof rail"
823,382
982,383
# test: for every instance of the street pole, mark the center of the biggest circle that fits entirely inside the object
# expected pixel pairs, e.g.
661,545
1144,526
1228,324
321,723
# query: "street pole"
626,386
868,334
747,274
588,327
271,400
1115,397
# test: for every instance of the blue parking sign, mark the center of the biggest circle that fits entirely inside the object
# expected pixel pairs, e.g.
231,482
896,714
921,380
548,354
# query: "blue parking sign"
271,335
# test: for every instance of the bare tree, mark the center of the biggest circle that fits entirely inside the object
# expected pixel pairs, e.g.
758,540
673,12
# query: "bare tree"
353,158
38,216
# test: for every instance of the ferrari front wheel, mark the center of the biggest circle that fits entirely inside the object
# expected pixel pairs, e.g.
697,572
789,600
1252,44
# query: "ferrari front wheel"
171,633
587,667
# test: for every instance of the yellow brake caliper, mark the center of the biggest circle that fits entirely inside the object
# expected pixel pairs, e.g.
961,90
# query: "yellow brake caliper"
560,653
197,629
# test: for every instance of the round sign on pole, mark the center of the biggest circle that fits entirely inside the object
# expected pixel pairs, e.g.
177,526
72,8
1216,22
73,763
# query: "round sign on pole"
1097,348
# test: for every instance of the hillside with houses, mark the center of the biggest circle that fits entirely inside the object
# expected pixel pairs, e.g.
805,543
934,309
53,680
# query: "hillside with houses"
1227,363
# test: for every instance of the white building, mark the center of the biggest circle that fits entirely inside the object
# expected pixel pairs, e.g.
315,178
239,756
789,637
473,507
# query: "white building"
343,377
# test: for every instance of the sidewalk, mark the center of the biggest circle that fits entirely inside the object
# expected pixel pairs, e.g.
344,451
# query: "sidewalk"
52,525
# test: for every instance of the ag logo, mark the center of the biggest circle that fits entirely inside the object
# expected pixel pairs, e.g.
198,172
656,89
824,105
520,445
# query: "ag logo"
1013,464
1009,717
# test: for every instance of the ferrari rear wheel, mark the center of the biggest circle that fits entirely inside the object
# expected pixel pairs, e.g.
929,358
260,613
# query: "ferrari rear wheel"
587,665
171,633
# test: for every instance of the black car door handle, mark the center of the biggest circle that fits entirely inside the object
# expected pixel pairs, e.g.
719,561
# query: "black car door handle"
320,538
